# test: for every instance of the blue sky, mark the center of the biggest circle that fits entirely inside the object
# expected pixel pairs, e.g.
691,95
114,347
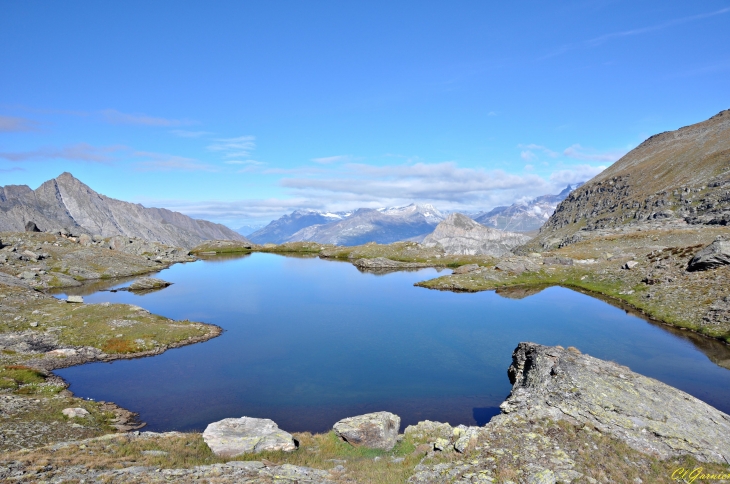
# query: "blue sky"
241,111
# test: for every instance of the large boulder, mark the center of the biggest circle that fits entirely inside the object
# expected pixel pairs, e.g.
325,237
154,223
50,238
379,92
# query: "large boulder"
714,255
377,430
559,384
235,436
31,227
148,284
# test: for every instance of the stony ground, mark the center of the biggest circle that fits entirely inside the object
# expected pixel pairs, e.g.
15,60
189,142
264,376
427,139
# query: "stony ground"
39,332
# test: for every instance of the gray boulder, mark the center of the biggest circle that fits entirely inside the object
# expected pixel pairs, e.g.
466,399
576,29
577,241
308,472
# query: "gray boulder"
714,255
31,227
148,284
466,269
235,436
383,263
377,430
559,384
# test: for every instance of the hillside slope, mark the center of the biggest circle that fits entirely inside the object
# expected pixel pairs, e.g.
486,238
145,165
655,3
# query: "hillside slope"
674,178
67,203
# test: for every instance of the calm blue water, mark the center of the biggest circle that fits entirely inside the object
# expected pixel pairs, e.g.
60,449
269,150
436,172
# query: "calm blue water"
308,342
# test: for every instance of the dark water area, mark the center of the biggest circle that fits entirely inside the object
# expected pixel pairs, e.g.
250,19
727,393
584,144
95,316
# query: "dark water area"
308,342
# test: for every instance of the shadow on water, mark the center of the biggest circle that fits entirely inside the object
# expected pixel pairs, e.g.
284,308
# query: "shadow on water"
483,415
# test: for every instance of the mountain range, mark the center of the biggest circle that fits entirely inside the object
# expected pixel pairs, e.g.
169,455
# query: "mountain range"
364,225
67,203
524,216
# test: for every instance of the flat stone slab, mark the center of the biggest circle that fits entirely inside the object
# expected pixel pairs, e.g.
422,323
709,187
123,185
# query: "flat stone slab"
75,412
377,430
235,436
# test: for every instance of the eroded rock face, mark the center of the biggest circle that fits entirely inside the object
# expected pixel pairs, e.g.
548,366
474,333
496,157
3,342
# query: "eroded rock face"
235,436
377,430
383,263
714,255
552,382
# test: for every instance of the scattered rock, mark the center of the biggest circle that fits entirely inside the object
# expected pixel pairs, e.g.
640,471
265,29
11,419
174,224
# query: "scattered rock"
235,436
62,352
85,240
442,445
75,412
562,261
714,255
31,227
377,430
630,265
75,299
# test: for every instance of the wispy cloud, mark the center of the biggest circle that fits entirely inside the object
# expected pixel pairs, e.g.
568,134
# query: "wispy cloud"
11,169
602,39
530,148
332,159
77,152
115,117
166,162
575,174
585,154
11,124
183,133
240,147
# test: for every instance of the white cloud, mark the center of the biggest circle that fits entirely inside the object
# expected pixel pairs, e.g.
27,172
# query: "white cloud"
586,154
76,152
332,159
115,117
165,162
528,155
11,124
240,147
575,174
533,147
183,133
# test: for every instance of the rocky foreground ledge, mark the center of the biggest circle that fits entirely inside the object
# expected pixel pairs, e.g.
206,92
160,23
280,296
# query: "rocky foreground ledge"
569,418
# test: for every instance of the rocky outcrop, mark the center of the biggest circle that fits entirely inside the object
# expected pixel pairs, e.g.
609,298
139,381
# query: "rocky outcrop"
716,254
460,235
235,436
65,204
552,382
377,430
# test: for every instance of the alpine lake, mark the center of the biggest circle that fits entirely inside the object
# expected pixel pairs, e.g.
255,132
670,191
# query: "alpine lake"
307,342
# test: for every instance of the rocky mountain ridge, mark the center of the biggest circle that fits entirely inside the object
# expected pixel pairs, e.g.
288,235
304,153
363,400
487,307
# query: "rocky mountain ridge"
524,216
65,203
382,226
673,178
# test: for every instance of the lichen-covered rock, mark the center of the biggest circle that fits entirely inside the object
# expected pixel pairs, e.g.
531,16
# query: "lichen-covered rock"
235,436
378,430
551,382
714,255
466,269
75,412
